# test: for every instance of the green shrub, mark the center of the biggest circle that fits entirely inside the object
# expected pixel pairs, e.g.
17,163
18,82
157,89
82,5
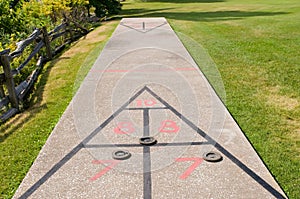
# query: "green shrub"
106,7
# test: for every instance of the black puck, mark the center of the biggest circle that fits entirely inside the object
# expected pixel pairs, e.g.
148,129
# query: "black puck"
121,155
212,157
148,140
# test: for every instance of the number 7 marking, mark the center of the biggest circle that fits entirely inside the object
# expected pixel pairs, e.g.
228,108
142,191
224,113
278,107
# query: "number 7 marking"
112,164
197,162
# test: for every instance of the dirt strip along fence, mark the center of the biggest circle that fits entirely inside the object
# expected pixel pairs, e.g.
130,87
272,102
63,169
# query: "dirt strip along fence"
42,46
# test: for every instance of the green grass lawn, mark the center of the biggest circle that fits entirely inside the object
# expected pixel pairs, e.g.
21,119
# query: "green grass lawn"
255,47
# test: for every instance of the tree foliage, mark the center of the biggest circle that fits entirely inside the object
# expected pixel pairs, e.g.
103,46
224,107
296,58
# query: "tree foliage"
18,18
106,7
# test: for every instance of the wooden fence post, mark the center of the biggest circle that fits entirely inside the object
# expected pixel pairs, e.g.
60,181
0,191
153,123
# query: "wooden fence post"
68,26
9,80
2,94
47,43
2,78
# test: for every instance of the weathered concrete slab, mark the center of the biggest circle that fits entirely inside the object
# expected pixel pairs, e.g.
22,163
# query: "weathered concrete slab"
145,83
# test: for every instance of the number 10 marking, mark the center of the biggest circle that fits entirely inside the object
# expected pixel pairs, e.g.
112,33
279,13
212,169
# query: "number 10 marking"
147,103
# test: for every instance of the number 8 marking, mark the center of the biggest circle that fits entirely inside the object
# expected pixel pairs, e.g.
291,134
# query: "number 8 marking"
124,128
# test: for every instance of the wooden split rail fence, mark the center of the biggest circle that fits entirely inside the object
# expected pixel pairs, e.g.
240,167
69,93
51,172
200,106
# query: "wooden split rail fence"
12,95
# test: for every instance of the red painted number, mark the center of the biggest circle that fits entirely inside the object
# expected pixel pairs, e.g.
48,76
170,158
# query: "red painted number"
124,128
197,162
112,163
147,103
169,126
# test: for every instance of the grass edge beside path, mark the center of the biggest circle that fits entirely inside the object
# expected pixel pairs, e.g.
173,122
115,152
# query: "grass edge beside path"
255,47
257,38
23,136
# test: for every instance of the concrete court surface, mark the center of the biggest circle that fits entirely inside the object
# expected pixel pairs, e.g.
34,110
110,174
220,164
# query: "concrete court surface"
145,84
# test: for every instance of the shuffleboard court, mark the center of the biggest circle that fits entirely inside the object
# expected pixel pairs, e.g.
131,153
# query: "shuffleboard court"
146,123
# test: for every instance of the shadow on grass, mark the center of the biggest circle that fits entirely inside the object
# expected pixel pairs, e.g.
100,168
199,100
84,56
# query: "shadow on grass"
202,16
33,105
20,119
135,11
185,1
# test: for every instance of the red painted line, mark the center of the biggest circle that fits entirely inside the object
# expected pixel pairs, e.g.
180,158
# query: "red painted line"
115,71
187,173
112,164
146,70
185,69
